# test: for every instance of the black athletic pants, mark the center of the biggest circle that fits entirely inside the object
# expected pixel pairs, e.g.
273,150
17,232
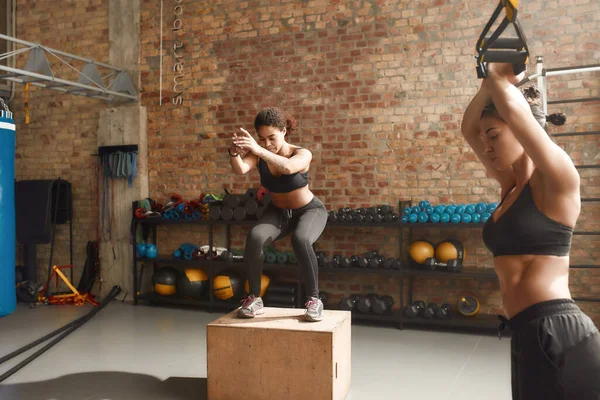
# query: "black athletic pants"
555,353
307,224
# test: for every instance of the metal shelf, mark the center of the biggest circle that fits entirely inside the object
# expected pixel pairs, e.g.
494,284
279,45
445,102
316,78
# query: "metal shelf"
379,271
213,264
175,300
460,225
485,322
466,272
163,221
393,224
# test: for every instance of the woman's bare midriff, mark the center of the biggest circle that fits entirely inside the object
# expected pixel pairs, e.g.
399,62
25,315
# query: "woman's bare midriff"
529,279
292,200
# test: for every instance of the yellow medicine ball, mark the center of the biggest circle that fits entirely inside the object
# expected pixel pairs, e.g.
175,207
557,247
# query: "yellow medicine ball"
226,286
420,250
450,249
264,284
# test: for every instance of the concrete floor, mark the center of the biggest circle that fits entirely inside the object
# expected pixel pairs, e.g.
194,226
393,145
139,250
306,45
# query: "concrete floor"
131,352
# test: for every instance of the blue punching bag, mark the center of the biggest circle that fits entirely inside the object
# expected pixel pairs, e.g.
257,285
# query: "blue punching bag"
8,296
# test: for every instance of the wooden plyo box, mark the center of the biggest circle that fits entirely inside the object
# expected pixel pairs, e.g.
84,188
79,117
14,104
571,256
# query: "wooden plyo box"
279,356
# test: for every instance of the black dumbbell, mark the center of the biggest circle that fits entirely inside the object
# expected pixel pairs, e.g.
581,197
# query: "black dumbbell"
444,311
362,262
359,218
382,305
391,217
376,262
348,303
322,259
378,218
371,254
452,265
354,260
335,261
415,309
332,216
430,311
368,218
365,303
390,263
345,262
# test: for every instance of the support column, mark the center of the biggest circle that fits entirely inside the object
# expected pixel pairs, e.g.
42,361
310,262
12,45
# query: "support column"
126,124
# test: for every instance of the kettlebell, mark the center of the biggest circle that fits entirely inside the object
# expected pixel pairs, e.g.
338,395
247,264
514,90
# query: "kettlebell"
151,251
141,249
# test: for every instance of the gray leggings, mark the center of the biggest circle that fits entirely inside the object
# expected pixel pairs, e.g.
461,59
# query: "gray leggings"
306,222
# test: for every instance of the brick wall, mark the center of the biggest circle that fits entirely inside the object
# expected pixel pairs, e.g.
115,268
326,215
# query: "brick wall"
379,89
60,139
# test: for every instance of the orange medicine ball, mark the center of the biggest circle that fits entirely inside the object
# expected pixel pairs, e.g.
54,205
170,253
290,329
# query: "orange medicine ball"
450,249
420,250
264,284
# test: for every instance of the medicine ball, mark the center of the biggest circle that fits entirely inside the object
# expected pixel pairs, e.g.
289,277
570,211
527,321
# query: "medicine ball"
450,249
227,285
420,250
193,283
264,284
165,281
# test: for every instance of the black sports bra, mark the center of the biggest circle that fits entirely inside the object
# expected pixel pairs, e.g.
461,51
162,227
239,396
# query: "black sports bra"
283,183
524,229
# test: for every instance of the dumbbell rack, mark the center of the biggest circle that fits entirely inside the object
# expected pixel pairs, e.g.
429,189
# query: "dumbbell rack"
212,268
480,323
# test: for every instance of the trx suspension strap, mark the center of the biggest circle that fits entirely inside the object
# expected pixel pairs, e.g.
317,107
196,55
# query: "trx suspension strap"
493,48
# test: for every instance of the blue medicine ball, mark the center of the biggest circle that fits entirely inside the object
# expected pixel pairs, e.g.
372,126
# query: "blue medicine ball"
481,208
460,209
423,217
439,209
428,210
466,218
451,209
476,218
412,218
435,218
455,218
492,207
445,218
485,216
423,204
404,218
470,209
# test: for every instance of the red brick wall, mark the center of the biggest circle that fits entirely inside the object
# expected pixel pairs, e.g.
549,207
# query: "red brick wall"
60,139
379,88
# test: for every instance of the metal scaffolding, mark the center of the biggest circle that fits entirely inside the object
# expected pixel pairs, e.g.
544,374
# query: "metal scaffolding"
115,85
